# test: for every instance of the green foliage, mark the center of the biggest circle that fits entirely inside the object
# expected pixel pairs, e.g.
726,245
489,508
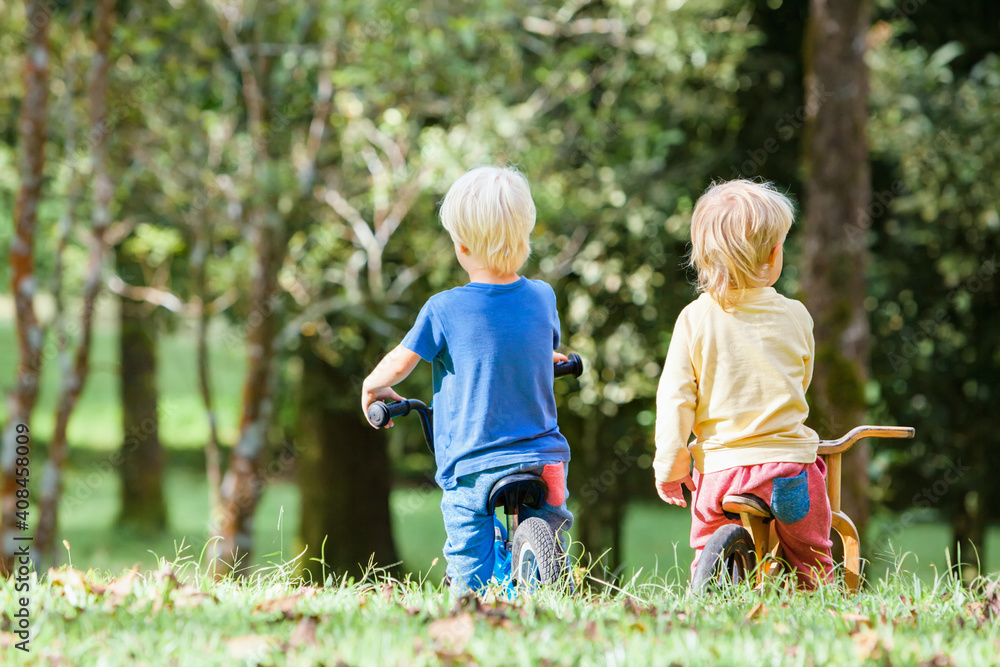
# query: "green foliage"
934,298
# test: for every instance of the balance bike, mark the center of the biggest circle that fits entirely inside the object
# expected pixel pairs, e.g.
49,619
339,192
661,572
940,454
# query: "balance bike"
534,555
736,552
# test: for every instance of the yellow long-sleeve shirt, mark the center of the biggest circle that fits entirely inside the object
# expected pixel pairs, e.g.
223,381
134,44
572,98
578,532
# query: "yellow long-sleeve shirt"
737,381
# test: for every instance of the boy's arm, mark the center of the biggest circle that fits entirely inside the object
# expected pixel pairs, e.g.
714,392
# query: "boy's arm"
392,370
676,399
811,343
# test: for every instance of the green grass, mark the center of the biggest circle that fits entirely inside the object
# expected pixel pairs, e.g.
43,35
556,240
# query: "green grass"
96,423
177,616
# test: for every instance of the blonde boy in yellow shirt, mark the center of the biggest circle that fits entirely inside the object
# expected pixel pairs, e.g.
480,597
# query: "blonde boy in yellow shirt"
739,363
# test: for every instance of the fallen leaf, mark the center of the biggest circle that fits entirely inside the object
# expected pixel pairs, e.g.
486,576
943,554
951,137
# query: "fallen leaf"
251,647
758,610
869,646
590,631
167,575
285,605
991,601
388,588
74,585
449,658
453,633
635,607
120,589
977,610
858,620
496,613
468,602
189,596
51,659
939,660
69,579
304,633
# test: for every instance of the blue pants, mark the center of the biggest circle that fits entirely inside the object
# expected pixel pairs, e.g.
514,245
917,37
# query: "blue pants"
469,547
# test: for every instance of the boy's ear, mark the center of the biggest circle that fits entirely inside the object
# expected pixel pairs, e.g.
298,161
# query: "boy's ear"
773,257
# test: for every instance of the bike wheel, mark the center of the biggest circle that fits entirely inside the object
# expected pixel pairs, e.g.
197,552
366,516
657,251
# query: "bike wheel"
728,558
536,554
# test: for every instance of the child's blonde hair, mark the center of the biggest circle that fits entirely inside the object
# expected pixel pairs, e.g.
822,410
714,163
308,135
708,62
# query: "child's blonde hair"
489,211
736,225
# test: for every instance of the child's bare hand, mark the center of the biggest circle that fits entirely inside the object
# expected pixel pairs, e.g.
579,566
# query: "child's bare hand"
558,358
369,396
673,492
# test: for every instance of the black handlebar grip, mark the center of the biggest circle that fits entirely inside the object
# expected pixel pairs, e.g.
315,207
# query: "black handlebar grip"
379,413
572,367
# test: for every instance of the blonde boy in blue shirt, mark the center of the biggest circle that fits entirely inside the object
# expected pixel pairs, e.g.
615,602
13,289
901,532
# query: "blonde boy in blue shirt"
491,344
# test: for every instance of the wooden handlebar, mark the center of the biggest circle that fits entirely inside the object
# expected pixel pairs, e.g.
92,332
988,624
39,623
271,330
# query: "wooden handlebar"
827,447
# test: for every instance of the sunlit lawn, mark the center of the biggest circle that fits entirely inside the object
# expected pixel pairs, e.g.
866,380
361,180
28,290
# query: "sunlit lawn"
177,616
96,422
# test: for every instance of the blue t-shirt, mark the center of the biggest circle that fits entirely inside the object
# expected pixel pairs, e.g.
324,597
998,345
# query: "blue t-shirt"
490,348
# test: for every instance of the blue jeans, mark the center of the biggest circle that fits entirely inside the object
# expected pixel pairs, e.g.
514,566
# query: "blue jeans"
469,547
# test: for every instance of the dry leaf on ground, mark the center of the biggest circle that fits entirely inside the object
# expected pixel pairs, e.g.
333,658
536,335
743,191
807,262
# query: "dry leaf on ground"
251,647
869,646
286,604
452,633
757,610
304,633
120,589
857,621
638,608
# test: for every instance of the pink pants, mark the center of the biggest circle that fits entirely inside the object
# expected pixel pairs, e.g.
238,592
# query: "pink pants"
806,542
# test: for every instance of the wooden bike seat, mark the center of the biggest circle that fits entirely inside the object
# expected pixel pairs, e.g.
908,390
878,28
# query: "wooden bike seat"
740,503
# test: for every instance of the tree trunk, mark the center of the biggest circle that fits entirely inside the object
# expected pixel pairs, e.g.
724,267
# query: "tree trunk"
73,383
21,400
242,485
141,470
835,257
967,490
199,257
344,477
968,548
597,487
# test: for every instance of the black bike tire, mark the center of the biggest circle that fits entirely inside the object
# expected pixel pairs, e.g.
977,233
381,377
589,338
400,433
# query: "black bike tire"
729,546
535,534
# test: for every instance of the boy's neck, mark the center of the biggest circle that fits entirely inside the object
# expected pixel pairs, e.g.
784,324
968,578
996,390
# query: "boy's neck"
479,275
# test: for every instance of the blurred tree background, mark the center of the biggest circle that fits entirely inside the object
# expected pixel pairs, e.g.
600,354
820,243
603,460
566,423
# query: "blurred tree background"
274,171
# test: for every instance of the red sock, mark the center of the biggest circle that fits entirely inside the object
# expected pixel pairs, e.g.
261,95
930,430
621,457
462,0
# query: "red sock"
554,475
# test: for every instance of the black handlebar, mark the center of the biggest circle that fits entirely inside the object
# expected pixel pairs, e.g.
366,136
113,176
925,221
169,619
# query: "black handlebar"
380,414
572,367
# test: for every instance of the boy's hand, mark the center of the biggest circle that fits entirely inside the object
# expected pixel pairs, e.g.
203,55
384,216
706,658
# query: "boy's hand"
559,358
369,396
393,368
673,492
